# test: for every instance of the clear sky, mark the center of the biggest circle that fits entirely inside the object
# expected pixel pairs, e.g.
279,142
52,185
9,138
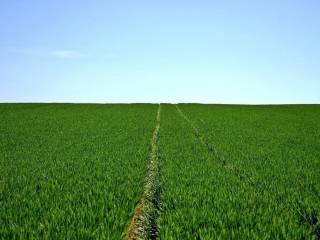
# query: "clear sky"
160,51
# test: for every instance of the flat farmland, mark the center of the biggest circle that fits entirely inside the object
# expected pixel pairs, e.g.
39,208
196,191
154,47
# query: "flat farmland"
72,171
159,171
233,172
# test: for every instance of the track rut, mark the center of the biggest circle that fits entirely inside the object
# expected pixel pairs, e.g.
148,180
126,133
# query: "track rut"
144,222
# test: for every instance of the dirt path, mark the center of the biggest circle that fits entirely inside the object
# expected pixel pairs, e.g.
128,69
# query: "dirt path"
143,224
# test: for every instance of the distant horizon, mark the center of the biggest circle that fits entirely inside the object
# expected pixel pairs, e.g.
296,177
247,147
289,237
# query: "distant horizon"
200,103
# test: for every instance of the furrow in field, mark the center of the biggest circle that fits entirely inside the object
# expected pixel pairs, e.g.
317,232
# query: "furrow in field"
221,160
214,153
143,224
269,181
203,200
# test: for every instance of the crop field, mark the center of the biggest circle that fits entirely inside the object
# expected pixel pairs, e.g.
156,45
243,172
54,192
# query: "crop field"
159,171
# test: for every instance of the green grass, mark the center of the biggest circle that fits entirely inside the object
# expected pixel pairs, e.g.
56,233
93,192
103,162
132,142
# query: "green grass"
70,171
262,181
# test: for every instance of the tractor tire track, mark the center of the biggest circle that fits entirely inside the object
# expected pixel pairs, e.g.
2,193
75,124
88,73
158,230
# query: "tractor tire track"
144,222
214,153
305,216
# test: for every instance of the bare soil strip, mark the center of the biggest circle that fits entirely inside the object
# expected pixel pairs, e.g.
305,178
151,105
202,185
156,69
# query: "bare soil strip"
213,152
143,224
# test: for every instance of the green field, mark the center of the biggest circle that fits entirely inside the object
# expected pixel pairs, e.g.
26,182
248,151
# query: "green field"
147,171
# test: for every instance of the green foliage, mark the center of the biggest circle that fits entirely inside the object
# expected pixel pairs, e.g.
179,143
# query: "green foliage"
266,187
72,171
216,171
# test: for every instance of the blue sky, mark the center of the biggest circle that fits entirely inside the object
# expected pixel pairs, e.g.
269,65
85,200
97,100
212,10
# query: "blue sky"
160,51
